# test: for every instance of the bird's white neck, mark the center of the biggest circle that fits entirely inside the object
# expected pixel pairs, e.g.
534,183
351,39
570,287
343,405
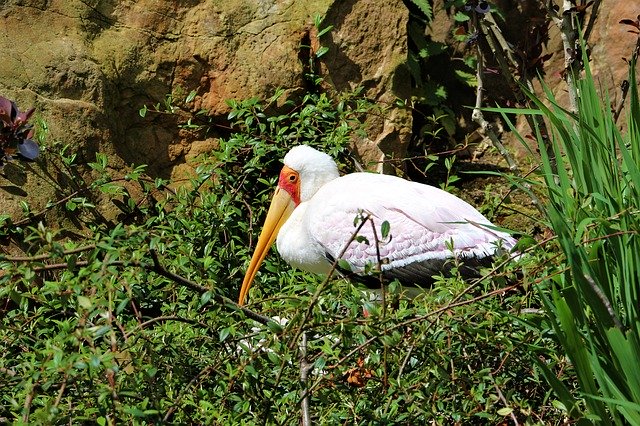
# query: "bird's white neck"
311,183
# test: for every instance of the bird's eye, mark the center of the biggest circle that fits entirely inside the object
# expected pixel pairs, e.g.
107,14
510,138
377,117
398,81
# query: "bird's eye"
293,178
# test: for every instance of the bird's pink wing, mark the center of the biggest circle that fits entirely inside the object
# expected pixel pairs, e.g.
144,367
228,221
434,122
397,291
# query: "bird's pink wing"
426,225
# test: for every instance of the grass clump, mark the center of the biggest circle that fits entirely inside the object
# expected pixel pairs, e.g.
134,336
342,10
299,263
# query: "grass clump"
592,181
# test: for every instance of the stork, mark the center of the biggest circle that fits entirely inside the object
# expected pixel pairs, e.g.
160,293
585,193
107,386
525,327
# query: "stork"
313,216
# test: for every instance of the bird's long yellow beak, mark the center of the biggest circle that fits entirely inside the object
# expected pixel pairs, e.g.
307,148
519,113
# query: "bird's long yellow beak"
281,207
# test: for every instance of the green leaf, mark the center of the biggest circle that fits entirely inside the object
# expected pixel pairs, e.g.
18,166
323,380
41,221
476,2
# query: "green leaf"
461,17
321,51
505,411
224,333
191,96
85,302
384,229
425,7
344,265
324,31
274,327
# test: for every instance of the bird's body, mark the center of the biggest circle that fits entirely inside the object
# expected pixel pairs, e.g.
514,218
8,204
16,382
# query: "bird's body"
318,217
426,225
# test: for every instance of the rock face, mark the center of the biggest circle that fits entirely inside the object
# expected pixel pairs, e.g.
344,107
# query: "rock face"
355,59
88,67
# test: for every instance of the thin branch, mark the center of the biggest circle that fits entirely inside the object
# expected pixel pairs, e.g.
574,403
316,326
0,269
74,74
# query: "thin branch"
625,84
592,19
48,207
454,304
568,33
324,283
305,367
164,318
504,400
205,371
478,117
605,302
46,255
383,290
489,31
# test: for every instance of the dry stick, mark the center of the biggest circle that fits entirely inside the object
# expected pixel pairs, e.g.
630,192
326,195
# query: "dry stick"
164,318
504,400
172,409
27,404
324,283
46,255
385,380
565,24
63,386
592,19
478,117
305,367
605,302
503,53
437,313
33,216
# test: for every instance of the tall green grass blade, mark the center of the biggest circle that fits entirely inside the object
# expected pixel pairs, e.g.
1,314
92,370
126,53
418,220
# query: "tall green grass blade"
591,174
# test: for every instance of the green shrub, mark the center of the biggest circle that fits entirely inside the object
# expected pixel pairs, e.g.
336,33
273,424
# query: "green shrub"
134,323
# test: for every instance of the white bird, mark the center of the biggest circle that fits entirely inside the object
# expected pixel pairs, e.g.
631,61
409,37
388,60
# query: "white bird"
314,215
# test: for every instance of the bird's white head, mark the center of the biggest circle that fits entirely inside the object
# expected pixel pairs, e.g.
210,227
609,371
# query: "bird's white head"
313,168
304,172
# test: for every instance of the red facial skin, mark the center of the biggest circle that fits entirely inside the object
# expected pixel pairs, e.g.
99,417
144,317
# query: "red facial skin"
290,181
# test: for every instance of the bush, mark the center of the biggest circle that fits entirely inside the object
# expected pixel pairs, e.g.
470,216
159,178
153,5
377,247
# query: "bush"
135,324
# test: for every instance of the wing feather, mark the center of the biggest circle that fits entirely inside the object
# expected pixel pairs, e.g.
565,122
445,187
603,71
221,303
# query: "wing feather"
428,226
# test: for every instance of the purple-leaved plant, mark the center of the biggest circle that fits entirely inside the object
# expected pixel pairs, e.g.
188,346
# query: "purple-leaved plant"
16,133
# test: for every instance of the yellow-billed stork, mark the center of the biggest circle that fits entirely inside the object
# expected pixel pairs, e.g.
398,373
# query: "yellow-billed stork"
313,212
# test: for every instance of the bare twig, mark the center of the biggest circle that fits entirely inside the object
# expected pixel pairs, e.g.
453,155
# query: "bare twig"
26,408
566,23
592,19
164,318
205,371
63,386
605,302
46,255
305,367
504,401
489,31
383,291
478,117
324,283
455,303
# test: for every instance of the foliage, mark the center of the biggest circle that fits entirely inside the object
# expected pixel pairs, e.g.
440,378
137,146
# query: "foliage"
15,132
593,183
134,322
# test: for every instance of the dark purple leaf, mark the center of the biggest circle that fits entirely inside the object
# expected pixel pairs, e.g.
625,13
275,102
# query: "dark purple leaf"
24,116
630,22
5,110
28,149
14,111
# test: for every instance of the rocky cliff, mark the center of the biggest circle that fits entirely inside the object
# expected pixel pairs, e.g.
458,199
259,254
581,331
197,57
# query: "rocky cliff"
89,66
